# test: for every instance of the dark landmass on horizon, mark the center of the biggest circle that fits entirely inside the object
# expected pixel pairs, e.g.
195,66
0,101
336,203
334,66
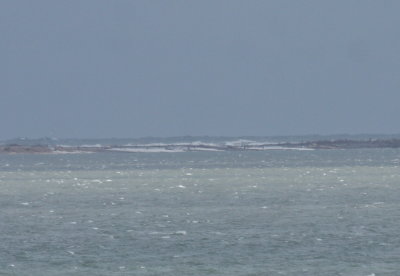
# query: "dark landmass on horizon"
308,145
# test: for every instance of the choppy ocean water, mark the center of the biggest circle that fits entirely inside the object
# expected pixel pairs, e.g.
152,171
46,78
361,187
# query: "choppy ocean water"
323,212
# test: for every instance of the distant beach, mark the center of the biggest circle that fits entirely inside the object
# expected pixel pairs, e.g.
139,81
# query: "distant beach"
241,145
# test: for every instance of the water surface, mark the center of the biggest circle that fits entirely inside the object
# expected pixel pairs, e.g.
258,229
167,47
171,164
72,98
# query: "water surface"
326,212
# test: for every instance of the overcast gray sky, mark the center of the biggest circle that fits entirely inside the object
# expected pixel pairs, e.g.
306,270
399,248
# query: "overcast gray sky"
100,68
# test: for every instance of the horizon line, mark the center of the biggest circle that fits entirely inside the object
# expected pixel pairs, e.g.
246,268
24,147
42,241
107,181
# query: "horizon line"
198,136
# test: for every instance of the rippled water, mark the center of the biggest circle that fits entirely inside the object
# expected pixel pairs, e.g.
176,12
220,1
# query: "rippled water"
333,212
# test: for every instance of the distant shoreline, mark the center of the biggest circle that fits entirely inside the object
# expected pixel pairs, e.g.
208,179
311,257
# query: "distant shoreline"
186,147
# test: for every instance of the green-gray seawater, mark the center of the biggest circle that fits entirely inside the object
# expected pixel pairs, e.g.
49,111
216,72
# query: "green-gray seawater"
324,212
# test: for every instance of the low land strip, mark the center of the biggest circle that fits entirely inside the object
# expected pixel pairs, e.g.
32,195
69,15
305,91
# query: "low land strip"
183,147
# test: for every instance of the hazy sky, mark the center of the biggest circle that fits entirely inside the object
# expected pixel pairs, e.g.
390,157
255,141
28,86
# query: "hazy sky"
100,68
